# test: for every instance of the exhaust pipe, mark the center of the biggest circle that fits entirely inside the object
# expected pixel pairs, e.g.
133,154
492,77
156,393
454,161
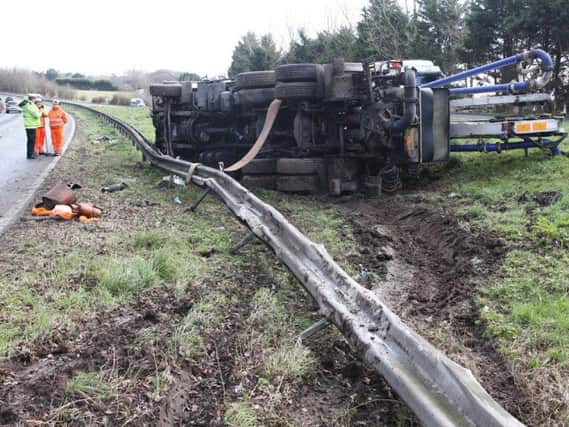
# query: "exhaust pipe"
409,102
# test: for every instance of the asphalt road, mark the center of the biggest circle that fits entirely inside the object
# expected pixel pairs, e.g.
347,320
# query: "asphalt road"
19,175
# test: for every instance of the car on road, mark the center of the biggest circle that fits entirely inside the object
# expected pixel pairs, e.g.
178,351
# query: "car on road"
137,102
12,108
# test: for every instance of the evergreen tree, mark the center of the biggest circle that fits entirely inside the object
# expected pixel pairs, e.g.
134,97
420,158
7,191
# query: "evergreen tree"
253,54
327,46
439,32
385,31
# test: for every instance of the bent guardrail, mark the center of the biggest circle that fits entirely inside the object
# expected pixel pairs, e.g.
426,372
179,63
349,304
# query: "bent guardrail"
439,391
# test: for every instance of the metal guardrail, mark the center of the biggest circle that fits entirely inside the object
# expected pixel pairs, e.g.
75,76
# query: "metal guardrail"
439,391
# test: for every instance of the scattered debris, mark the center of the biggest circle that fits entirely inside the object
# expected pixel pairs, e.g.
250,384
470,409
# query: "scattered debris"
170,180
364,272
114,187
40,211
62,211
74,186
86,210
83,219
542,198
59,202
99,139
547,198
207,253
61,194
144,203
177,200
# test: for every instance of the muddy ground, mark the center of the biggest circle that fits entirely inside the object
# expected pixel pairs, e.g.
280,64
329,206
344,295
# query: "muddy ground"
426,266
129,344
422,262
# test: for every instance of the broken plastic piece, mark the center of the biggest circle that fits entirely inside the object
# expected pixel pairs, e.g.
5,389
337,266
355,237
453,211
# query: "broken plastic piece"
168,181
114,187
85,219
87,210
62,211
40,211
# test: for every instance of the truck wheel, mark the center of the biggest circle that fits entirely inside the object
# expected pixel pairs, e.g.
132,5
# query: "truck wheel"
255,79
260,167
259,181
165,89
299,184
254,97
299,91
226,101
299,73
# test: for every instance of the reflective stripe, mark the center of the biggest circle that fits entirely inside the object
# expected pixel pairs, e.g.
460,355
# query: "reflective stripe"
56,122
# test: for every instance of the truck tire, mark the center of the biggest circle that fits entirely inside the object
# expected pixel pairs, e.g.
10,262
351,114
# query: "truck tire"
255,79
226,101
166,89
299,166
299,91
299,73
299,184
260,167
254,97
260,181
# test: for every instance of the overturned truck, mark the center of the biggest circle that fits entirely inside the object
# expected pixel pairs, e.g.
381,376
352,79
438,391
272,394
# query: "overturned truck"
339,127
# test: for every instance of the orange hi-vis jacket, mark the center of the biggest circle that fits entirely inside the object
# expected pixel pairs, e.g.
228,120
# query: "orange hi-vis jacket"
57,117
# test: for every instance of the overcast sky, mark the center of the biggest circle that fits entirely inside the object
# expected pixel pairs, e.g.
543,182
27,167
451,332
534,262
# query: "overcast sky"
114,36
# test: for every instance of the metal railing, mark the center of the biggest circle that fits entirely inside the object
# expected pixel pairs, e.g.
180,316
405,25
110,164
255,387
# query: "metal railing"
439,391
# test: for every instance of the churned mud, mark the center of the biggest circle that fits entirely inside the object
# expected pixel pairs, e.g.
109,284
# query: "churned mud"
426,266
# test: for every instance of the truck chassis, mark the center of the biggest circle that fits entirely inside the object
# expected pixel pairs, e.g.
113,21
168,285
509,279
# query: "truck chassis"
342,127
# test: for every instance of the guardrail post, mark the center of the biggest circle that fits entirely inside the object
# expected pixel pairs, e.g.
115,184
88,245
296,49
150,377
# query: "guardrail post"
199,200
313,329
248,238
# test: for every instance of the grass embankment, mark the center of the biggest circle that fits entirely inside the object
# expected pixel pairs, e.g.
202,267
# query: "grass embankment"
526,305
144,317
89,95
137,116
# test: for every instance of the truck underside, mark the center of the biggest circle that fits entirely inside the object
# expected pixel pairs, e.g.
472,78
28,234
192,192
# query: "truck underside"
340,127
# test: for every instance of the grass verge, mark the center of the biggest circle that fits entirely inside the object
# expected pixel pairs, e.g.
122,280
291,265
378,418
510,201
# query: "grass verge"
526,305
145,318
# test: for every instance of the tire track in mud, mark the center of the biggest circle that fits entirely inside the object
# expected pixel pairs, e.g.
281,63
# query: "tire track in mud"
426,266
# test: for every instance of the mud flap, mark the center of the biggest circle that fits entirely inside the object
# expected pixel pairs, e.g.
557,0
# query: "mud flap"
434,142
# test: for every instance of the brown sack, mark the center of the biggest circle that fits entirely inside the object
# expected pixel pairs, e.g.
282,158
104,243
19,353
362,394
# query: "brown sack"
58,195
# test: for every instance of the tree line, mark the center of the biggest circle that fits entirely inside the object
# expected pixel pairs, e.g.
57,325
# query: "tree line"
452,33
84,83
